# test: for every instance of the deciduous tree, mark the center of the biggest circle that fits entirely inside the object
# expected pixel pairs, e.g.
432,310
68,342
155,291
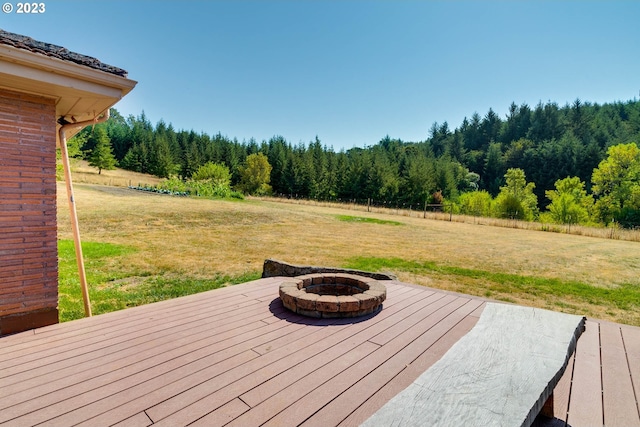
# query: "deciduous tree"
616,184
255,175
516,199
570,203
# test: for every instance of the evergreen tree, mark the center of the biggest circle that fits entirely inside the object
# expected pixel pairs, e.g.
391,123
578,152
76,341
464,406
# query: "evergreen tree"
356,180
490,128
118,132
546,123
277,155
517,124
384,182
420,182
162,162
514,155
547,142
191,160
440,135
101,156
445,175
455,147
472,134
493,169
136,159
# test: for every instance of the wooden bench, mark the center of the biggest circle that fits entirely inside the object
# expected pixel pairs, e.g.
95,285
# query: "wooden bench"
500,374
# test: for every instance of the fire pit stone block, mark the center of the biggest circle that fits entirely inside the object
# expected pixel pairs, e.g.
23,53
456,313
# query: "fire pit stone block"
332,295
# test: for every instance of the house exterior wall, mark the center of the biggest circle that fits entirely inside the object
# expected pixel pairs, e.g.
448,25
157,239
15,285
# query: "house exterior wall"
28,228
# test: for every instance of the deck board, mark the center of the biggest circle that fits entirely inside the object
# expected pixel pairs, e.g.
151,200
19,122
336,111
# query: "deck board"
631,338
232,352
138,420
223,415
585,405
119,355
269,365
562,392
121,331
111,323
235,356
110,348
270,387
388,379
619,405
316,398
346,337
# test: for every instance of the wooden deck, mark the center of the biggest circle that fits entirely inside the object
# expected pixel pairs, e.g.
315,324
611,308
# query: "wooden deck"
236,357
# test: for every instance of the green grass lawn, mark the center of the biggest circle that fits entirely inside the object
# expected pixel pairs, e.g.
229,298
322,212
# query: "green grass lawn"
162,247
114,286
563,294
349,218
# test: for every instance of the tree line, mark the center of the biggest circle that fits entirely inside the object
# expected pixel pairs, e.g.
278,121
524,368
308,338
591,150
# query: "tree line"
548,143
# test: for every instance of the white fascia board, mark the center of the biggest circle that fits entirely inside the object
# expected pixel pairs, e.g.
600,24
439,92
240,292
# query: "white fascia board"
39,68
28,79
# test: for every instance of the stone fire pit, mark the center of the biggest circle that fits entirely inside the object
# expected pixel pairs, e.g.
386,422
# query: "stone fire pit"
332,295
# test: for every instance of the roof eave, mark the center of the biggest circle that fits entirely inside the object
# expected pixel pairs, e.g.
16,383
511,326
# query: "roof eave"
81,93
65,68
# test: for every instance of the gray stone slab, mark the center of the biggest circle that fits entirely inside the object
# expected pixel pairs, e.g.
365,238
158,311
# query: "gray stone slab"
499,374
275,268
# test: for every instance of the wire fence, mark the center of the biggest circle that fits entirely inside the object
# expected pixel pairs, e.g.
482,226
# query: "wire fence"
440,212
445,212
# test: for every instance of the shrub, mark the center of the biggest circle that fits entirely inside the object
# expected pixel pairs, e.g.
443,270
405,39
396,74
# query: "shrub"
476,203
209,189
510,206
516,199
214,172
175,185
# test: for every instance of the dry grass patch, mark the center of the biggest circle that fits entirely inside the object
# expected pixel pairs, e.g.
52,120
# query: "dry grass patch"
83,173
616,232
207,238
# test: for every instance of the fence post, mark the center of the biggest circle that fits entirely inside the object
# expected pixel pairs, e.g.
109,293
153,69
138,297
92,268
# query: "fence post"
369,204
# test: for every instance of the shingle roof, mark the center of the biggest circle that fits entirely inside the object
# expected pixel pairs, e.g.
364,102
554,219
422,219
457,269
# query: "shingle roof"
27,43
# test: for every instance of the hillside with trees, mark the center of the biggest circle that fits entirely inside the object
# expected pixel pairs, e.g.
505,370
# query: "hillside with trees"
573,164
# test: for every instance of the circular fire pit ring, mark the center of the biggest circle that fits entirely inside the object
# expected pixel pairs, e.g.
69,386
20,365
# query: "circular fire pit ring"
332,295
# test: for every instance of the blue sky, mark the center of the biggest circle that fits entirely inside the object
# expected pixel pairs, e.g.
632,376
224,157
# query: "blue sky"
349,72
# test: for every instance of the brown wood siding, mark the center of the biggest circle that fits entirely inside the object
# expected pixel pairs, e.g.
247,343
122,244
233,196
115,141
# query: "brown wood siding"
28,238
